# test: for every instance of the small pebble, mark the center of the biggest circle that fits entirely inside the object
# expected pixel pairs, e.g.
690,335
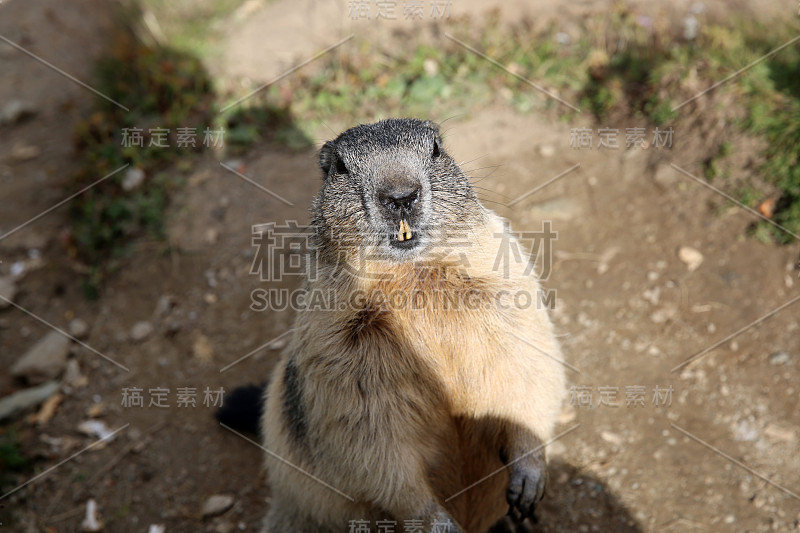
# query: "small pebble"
141,330
611,438
134,177
652,295
16,111
25,152
277,344
431,67
691,257
166,303
96,428
44,360
547,150
662,315
745,431
779,358
73,376
202,349
92,522
95,410
78,328
779,433
216,505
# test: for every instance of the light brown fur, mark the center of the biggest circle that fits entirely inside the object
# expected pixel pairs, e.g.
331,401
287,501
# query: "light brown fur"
403,408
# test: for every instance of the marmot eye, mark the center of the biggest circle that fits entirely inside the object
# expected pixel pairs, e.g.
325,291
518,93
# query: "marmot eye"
340,168
436,152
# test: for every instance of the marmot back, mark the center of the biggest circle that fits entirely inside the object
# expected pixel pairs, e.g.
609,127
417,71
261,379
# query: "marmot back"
423,394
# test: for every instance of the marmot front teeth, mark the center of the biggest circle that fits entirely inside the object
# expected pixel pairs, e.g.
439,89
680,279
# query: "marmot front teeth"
404,233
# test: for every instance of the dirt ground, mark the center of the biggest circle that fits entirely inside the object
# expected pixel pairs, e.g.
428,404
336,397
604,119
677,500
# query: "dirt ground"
715,450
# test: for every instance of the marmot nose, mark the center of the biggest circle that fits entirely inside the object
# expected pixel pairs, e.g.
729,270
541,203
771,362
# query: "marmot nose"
399,198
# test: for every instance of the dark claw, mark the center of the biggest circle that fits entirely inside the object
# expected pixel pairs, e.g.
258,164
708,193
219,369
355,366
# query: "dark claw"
525,490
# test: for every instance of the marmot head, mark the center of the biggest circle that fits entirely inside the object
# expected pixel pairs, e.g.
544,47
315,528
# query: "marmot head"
390,191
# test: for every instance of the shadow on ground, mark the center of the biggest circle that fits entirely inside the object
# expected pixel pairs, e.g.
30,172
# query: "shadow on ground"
575,501
578,501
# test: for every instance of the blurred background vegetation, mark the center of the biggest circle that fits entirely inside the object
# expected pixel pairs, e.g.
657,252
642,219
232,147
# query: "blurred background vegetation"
623,67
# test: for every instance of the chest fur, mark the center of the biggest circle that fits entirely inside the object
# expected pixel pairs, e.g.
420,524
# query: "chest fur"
452,326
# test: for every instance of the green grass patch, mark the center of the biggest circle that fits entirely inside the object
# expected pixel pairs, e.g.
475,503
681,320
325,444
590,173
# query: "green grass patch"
774,113
259,121
171,118
620,66
168,95
769,93
11,457
195,27
12,460
432,81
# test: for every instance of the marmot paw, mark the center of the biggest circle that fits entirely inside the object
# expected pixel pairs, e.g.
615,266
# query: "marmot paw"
526,488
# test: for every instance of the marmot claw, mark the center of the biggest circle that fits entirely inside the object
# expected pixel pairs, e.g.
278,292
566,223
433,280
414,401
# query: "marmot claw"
526,489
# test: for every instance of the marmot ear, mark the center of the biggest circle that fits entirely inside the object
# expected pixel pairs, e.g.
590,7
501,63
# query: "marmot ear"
435,127
327,157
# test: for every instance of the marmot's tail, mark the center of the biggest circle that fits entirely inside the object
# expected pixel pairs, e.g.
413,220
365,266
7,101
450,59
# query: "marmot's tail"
242,408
